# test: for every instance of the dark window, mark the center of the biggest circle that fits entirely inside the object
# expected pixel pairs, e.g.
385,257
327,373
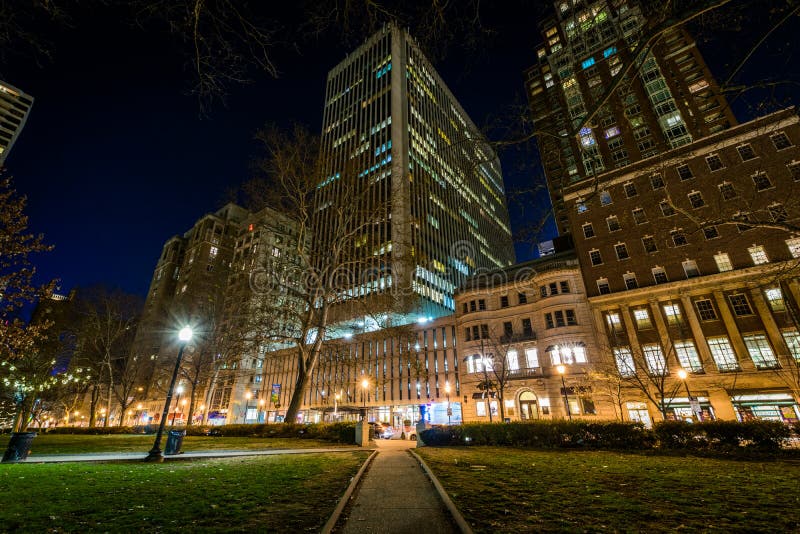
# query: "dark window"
472,305
657,181
639,216
571,319
727,191
504,301
523,298
684,172
564,285
613,223
602,286
649,244
678,238
630,281
705,310
622,251
475,333
762,181
468,332
710,232
508,329
548,320
595,257
588,230
559,316
588,406
481,304
465,308
527,329
696,199
778,213
543,291
660,275
714,162
794,170
630,190
485,331
746,152
666,208
780,140
740,305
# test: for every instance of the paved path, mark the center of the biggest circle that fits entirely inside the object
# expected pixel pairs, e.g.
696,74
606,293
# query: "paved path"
396,496
130,456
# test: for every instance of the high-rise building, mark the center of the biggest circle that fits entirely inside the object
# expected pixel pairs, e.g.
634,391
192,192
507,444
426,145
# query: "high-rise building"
649,97
426,176
14,108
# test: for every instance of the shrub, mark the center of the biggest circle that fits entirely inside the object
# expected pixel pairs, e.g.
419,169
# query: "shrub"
678,435
722,436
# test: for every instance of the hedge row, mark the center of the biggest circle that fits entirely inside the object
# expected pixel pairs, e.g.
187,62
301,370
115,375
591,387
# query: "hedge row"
716,436
341,432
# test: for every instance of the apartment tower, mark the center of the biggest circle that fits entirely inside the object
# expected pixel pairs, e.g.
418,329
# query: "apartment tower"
424,173
653,96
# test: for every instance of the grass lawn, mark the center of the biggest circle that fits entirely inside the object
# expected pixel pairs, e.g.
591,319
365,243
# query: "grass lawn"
517,490
71,444
292,493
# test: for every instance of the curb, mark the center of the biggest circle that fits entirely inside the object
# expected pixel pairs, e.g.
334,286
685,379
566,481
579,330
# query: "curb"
448,502
337,512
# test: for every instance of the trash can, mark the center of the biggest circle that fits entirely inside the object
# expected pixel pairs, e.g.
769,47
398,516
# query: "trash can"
174,442
18,447
372,432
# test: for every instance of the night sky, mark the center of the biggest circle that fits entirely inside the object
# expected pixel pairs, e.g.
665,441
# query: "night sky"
116,157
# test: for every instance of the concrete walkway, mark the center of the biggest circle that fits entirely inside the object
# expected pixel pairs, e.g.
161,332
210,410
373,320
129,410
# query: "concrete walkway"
396,496
131,456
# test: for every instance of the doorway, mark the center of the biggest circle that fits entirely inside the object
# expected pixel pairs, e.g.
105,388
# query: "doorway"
528,406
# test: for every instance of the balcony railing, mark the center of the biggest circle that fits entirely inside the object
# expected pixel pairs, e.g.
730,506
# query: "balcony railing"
526,372
516,338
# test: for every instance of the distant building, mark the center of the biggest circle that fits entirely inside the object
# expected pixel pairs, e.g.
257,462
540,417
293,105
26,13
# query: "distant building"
668,100
14,109
433,180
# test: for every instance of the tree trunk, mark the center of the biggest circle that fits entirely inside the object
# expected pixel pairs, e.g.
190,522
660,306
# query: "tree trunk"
303,378
192,398
501,403
23,413
109,394
93,405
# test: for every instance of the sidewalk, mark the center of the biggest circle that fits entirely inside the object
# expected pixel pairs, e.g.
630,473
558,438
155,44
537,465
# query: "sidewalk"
396,496
132,456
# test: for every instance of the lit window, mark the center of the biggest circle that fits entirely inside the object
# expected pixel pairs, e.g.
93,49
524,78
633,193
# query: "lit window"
780,140
512,359
642,317
688,357
624,360
793,245
614,321
722,352
654,358
760,351
630,281
705,309
605,198
588,230
723,262
761,181
659,275
622,251
212,253
758,254
588,62
775,298
611,132
532,358
649,244
673,313
740,304
792,339
690,268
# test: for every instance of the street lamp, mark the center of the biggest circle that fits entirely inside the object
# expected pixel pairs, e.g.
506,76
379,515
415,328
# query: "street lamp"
336,405
561,370
365,385
447,392
247,397
155,455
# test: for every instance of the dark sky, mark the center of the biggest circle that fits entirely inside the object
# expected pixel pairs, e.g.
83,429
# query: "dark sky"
116,158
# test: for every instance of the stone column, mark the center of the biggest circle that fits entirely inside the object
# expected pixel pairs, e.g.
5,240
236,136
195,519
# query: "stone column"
771,327
697,332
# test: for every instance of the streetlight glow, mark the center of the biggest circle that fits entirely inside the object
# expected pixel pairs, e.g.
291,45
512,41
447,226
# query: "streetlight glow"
248,395
682,374
561,369
185,334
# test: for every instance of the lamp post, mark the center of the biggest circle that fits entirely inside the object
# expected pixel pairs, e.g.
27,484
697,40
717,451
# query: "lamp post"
247,397
365,385
261,404
561,370
178,390
336,405
447,392
155,455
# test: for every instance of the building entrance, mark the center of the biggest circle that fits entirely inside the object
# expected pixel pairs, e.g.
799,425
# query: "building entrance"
528,406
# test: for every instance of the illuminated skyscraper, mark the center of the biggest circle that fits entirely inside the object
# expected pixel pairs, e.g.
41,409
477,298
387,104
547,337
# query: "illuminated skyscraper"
14,108
391,123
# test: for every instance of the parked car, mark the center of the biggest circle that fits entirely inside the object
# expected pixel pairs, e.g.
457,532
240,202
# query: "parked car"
382,430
